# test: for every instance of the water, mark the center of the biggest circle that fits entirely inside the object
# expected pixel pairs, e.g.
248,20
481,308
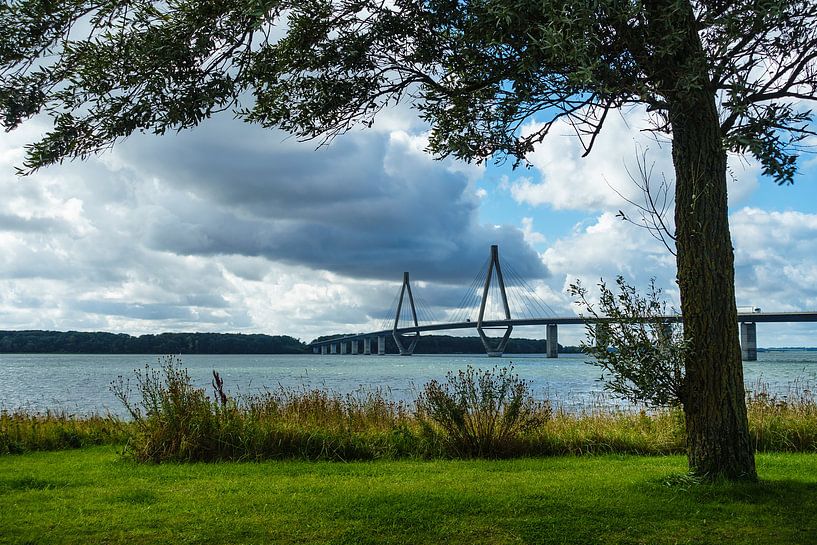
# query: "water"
79,384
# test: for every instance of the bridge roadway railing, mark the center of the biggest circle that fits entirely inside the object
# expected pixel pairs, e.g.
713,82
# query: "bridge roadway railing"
747,323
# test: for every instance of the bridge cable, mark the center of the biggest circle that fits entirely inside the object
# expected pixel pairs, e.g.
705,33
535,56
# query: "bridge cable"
531,299
424,311
466,305
387,320
533,306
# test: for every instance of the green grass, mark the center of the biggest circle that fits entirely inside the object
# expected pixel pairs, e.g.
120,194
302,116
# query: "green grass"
93,495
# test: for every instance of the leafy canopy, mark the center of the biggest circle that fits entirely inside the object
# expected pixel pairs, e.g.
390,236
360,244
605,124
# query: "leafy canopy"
475,70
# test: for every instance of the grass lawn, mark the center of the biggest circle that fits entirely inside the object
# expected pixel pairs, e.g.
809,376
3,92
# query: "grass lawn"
92,495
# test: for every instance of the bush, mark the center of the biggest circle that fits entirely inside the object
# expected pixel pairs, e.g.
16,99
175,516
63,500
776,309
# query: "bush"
174,419
640,353
479,413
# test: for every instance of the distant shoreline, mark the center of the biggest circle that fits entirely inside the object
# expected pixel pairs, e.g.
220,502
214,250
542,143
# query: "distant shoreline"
789,349
100,342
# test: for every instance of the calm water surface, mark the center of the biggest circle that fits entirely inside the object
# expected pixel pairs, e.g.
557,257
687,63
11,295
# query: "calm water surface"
80,383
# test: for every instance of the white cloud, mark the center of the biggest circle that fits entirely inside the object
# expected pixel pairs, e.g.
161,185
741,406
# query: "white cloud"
774,259
532,237
774,264
233,228
570,181
607,247
624,150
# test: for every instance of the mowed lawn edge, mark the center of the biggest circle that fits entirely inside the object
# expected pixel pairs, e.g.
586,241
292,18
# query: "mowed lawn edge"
93,495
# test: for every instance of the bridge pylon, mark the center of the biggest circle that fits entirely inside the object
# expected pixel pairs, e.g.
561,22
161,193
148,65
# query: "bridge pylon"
399,339
494,350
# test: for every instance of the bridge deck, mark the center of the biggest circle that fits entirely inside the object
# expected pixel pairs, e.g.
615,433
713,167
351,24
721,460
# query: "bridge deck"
756,317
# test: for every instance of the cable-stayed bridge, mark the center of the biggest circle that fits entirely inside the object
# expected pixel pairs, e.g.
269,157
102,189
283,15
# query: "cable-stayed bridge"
492,305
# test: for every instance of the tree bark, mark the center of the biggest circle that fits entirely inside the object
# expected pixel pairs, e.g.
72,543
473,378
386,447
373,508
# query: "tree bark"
718,444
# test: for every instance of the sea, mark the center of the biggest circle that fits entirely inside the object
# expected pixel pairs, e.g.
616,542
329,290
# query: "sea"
81,384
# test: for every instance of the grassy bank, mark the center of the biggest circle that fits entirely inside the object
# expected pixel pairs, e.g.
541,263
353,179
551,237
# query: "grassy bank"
93,495
482,414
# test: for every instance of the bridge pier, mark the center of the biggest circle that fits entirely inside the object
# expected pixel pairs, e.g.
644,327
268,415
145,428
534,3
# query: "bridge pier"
367,346
381,345
601,335
324,349
748,341
666,331
343,347
552,341
333,348
355,346
316,350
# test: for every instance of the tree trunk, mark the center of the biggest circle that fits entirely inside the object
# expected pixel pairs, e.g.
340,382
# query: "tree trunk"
714,401
718,442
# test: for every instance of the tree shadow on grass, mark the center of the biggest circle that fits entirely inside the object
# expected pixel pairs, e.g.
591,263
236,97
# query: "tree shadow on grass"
669,510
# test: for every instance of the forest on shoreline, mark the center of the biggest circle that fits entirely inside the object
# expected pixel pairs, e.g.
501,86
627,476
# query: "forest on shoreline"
99,342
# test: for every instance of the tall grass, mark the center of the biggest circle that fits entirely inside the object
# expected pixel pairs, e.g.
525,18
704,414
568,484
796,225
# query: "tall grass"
472,414
23,432
173,420
785,423
602,431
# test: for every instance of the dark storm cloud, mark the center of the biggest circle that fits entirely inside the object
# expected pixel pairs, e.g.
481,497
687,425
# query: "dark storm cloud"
365,207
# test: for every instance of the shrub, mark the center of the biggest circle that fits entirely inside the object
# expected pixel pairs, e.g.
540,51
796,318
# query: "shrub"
640,353
479,413
174,419
472,413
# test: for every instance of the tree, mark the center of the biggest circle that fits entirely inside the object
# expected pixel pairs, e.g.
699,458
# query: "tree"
718,76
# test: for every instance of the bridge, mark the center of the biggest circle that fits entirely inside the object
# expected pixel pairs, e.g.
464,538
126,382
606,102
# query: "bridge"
492,306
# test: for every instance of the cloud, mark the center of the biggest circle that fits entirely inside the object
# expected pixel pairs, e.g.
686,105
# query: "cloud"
531,237
366,207
625,151
570,181
774,259
235,228
774,263
603,248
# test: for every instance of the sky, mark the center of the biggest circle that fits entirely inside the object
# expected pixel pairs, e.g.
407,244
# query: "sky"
234,228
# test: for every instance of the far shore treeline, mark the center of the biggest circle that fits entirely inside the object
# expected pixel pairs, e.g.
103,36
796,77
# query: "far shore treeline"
81,342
